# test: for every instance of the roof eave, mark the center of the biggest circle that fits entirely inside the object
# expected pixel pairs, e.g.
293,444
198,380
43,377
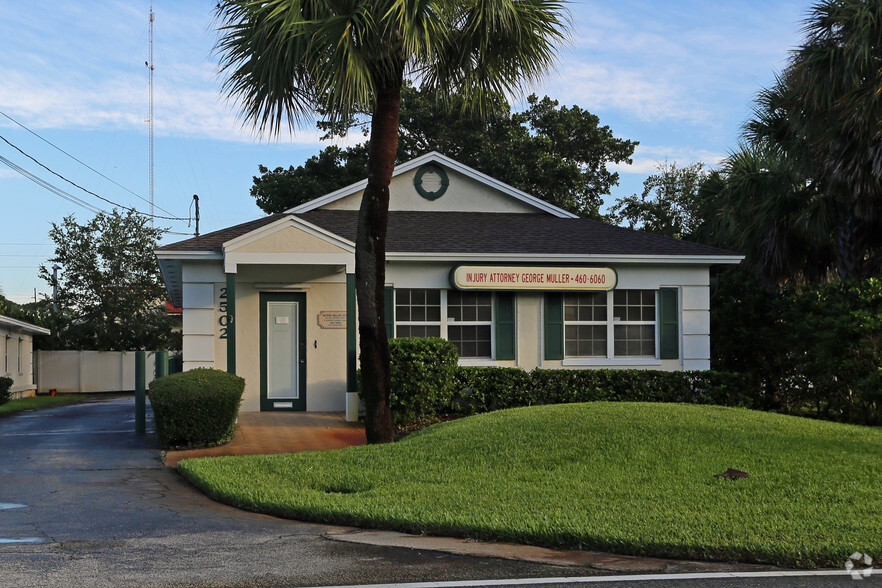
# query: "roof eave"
568,258
23,325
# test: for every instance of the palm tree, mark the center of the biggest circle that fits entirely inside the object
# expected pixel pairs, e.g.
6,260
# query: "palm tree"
826,110
762,204
285,60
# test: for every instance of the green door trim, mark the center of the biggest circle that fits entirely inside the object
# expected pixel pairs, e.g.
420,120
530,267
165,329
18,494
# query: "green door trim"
231,323
267,404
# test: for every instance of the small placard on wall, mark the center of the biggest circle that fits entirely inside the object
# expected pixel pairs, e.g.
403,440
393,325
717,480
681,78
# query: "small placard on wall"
332,319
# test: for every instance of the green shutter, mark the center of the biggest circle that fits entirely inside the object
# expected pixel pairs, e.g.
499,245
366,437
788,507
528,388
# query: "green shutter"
668,324
554,328
506,333
389,311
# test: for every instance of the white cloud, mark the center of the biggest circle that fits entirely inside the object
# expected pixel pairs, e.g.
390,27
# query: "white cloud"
647,158
643,95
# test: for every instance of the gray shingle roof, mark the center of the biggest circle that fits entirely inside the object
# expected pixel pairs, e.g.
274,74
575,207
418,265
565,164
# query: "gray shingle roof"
479,232
485,232
213,241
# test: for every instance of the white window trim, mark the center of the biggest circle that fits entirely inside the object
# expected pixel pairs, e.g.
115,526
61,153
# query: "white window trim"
595,361
20,373
444,322
611,323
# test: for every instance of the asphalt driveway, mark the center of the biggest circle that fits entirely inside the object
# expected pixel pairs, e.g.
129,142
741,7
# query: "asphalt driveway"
84,502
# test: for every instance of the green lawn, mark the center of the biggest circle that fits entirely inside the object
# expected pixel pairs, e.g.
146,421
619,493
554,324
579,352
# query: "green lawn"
631,478
38,402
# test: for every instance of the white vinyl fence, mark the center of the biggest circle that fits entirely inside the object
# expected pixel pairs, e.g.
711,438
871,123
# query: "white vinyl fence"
89,371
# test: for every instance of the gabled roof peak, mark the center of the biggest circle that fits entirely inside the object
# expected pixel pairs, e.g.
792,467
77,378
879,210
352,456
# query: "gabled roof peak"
440,159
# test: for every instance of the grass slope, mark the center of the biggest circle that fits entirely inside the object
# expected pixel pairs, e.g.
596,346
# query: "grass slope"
630,478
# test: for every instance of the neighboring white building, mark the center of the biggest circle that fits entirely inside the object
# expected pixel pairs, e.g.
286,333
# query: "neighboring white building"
17,339
509,278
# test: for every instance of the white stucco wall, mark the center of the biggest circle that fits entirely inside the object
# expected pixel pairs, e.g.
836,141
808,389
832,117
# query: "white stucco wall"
692,282
463,194
16,349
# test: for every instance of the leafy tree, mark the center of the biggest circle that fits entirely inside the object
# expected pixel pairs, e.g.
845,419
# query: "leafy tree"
110,292
558,154
288,58
333,168
669,204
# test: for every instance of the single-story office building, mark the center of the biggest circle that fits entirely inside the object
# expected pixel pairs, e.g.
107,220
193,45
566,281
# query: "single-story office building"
510,279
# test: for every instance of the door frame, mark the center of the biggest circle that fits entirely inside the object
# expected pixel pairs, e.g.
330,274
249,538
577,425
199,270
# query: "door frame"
268,404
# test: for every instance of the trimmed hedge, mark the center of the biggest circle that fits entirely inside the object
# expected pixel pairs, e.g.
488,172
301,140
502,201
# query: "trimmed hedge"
481,389
196,408
5,389
422,377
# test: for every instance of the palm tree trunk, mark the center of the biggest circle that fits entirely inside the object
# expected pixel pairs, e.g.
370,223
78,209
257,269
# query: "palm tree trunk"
850,248
370,265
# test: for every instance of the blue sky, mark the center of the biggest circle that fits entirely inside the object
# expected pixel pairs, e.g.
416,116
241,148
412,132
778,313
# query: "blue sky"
677,76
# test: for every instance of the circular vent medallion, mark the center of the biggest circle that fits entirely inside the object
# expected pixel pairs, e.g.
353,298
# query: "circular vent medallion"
431,181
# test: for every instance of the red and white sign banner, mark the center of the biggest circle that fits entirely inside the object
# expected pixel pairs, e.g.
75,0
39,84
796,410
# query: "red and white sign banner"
487,277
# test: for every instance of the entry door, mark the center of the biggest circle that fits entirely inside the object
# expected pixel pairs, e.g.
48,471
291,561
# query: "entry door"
283,351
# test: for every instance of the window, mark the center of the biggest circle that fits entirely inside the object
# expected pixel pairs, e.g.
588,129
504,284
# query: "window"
470,322
586,325
463,318
620,323
19,356
417,313
634,316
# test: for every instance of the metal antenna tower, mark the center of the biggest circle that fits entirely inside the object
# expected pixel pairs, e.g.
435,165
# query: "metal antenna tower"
150,116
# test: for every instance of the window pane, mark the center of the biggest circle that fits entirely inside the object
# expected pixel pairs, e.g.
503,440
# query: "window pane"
585,307
470,306
417,305
470,340
585,341
635,340
634,305
418,331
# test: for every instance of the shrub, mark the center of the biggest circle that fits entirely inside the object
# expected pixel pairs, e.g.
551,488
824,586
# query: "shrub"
5,389
481,389
196,408
834,340
422,377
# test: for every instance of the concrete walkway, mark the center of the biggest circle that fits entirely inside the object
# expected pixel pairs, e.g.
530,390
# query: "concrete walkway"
281,432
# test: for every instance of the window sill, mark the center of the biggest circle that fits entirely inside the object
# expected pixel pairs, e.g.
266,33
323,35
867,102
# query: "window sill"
477,362
593,361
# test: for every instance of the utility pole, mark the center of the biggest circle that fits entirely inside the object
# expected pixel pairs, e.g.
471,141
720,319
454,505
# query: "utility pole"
196,200
150,117
55,269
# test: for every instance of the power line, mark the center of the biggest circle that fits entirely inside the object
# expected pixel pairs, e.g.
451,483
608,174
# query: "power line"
44,184
84,164
172,218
